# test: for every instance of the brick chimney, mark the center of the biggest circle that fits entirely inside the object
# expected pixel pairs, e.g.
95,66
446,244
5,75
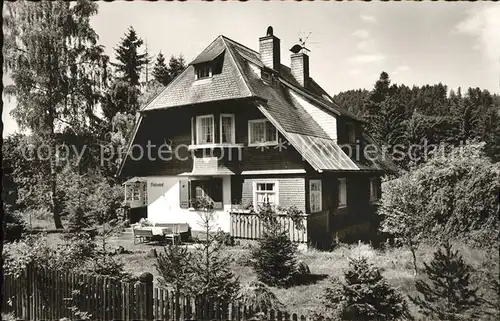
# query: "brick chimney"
300,68
269,48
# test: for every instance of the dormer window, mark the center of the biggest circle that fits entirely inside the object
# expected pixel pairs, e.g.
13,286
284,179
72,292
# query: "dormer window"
203,71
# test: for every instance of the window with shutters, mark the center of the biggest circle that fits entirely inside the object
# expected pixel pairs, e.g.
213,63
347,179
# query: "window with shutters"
210,189
261,132
315,195
342,192
265,192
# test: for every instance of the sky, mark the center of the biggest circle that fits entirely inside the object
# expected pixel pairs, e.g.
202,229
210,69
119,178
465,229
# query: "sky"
351,43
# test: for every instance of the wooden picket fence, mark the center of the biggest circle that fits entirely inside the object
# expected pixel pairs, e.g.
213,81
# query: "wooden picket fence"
41,294
249,226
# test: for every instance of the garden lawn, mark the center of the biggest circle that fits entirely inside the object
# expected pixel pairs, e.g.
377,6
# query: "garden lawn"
395,263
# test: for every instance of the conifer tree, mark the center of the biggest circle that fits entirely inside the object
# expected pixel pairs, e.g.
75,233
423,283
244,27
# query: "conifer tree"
160,70
212,277
274,259
449,295
365,295
130,61
175,66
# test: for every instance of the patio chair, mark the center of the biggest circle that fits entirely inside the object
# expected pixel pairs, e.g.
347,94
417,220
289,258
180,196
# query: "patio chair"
169,234
142,234
182,229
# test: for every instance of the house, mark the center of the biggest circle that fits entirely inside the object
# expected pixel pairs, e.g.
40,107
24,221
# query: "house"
238,126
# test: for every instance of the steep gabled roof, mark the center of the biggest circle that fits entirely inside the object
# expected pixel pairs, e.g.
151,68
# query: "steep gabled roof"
240,77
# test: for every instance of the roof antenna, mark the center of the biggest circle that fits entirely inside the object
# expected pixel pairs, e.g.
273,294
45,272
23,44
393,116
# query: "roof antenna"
301,47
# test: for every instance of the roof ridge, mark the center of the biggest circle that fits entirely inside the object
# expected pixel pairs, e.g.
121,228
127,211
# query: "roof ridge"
240,44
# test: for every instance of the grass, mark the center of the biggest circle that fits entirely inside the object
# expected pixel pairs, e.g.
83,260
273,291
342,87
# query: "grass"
395,263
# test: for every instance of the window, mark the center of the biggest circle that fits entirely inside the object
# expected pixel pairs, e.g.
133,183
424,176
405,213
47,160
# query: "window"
342,192
208,189
373,189
227,128
203,72
315,195
351,133
261,131
205,129
265,192
136,192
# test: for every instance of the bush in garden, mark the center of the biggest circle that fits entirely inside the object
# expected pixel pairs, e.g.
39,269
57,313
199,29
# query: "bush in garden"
14,227
449,295
274,259
224,238
260,296
452,196
365,295
77,253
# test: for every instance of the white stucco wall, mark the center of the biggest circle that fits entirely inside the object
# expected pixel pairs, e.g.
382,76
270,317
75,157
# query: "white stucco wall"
164,207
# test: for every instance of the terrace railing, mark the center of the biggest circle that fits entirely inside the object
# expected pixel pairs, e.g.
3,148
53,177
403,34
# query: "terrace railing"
246,225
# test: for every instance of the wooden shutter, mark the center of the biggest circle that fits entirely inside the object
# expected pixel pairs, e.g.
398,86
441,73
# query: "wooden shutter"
193,130
217,193
184,193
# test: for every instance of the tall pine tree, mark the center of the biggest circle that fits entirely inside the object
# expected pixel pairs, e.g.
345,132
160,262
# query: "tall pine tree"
160,70
176,65
130,61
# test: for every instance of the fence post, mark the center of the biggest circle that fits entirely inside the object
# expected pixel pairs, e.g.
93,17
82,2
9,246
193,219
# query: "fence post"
147,303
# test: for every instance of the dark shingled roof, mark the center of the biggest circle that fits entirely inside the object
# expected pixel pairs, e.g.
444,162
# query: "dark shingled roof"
240,77
185,90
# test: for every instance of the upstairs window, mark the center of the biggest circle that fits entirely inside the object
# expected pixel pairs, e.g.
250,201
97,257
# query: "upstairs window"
315,195
373,189
261,131
203,71
205,129
351,133
342,192
227,129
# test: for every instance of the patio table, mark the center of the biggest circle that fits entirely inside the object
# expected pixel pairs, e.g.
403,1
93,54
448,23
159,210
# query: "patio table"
160,232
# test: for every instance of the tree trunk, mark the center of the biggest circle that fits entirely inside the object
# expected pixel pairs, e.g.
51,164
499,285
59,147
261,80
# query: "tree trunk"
53,185
412,249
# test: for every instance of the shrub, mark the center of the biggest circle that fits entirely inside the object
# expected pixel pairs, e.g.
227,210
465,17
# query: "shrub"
451,196
274,259
449,295
364,295
224,238
260,296
14,227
